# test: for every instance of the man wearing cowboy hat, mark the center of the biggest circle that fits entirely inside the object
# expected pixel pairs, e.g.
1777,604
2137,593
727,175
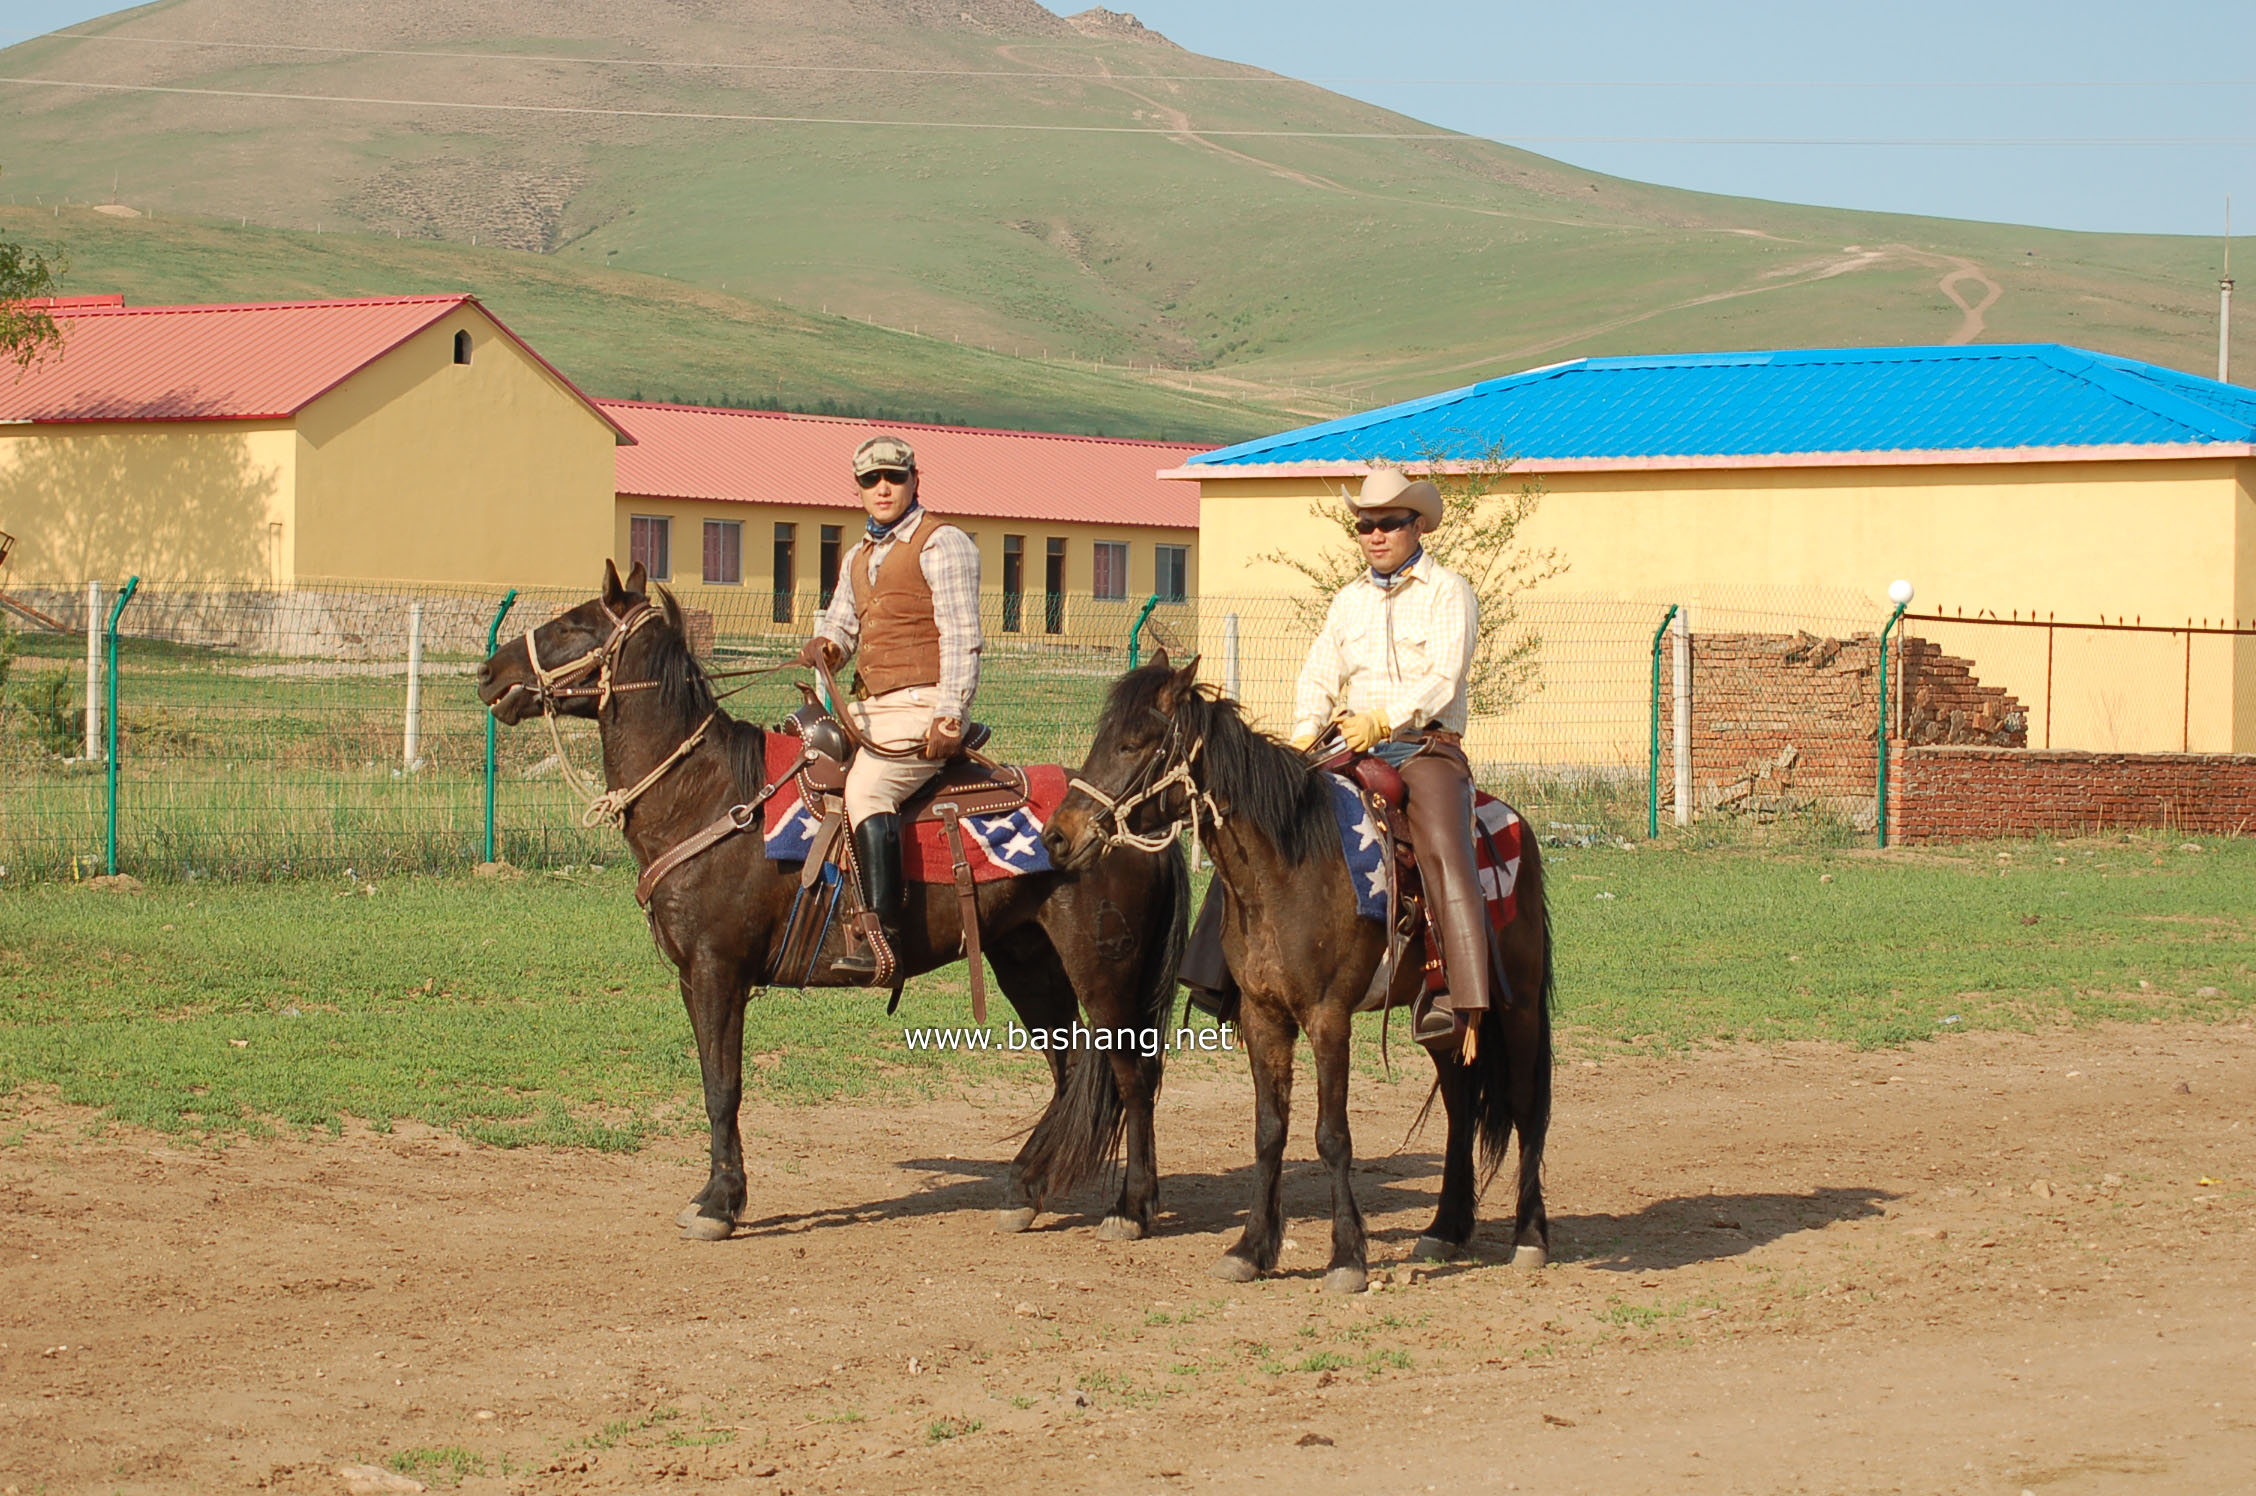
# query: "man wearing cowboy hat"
1389,671
908,601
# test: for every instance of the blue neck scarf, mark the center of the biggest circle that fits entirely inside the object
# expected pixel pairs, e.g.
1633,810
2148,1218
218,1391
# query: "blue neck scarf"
878,532
1387,581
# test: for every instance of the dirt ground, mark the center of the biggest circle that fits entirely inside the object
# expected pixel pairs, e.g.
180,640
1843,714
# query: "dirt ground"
1987,1264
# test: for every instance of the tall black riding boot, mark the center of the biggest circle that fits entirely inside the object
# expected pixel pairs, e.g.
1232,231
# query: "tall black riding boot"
877,851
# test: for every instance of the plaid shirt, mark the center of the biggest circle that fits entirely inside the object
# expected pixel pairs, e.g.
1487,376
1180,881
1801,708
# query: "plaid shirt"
1405,652
951,568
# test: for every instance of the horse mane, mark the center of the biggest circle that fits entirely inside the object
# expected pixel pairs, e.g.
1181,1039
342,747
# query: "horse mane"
685,693
1255,777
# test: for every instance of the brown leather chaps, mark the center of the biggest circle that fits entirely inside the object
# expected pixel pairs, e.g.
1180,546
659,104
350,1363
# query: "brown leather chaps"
1440,808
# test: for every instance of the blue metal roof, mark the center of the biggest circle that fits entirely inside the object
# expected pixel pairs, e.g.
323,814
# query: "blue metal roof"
1721,405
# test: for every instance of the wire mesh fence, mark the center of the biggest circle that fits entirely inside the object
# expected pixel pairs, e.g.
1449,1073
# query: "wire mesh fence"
2097,686
323,729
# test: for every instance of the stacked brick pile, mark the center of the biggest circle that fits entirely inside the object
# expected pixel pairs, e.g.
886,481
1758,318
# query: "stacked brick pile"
1944,703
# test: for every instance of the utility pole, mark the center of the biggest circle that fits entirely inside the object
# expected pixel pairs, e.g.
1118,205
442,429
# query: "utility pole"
2224,305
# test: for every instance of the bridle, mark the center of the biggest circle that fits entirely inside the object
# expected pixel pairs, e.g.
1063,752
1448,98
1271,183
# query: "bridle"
553,687
1175,764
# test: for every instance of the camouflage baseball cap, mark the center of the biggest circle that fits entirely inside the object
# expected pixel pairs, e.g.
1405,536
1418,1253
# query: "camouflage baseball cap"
884,452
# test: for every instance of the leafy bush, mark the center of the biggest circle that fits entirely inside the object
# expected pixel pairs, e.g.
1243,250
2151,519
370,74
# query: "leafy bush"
51,713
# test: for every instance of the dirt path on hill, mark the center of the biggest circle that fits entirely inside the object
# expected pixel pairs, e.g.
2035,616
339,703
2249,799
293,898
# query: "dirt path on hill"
1989,1264
1973,326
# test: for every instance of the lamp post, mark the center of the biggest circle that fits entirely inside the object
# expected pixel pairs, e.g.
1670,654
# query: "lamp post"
1899,593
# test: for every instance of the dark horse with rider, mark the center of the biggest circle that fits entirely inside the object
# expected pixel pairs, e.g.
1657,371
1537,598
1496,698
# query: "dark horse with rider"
865,840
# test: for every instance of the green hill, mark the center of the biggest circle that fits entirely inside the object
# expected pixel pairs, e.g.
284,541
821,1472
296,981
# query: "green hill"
1071,187
635,336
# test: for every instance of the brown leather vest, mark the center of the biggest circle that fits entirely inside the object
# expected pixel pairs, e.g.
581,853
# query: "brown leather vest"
900,643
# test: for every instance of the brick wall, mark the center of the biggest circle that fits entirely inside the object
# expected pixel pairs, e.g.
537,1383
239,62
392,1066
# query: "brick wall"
1957,794
1783,724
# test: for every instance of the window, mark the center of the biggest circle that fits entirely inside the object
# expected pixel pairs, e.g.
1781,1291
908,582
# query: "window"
1014,580
1053,588
724,553
462,346
649,540
1108,571
786,570
831,546
1171,572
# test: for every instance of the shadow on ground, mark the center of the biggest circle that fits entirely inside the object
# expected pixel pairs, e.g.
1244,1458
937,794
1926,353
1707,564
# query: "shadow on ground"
1668,1233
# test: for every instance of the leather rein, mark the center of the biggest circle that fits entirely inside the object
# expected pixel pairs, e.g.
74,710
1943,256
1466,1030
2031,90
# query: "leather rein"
609,807
553,687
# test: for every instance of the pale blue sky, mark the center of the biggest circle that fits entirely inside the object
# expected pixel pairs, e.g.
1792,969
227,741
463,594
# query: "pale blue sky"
2094,72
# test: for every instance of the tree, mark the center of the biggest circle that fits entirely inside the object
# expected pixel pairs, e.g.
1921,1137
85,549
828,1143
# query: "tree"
26,331
1483,508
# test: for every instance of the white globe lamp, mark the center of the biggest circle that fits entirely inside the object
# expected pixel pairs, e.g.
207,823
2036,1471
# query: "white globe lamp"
1899,592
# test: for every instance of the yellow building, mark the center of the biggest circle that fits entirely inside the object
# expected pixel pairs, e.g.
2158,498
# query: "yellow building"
395,439
748,513
2024,481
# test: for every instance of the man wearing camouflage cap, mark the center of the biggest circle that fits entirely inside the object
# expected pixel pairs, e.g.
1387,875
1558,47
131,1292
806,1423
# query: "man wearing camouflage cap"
908,604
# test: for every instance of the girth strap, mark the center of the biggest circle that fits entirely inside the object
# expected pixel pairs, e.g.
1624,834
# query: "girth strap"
967,901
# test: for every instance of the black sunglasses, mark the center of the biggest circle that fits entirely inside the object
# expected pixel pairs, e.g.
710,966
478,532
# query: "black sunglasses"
895,476
1390,524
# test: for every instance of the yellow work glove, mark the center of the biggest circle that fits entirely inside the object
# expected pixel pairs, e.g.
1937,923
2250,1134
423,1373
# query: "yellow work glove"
1364,731
1304,740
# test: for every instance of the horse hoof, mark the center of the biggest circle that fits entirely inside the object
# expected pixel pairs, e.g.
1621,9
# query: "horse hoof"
1432,1249
1119,1228
1011,1222
688,1215
1235,1269
706,1228
1345,1280
1531,1257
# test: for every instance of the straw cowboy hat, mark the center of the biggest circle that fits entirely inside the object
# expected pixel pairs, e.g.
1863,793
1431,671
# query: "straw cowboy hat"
1392,488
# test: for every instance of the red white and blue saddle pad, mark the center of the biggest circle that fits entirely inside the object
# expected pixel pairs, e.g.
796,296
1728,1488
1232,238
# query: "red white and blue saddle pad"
1496,852
1004,846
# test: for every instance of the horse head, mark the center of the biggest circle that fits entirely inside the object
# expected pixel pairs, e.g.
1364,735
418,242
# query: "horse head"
1134,785
567,665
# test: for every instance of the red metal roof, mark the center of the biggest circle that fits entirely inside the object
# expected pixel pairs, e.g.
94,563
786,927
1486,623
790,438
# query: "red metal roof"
257,361
769,457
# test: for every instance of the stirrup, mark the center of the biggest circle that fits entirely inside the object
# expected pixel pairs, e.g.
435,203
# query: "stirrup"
860,959
1437,1026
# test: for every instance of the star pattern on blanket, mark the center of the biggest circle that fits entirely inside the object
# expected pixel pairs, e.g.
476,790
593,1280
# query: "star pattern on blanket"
1496,852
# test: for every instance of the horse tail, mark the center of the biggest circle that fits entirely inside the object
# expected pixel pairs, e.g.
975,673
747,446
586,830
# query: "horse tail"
1512,1070
1081,1132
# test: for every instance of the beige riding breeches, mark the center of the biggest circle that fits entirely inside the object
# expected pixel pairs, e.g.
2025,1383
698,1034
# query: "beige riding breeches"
895,720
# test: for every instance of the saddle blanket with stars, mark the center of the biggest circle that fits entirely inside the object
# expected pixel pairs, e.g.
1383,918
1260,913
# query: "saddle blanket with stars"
998,847
1496,852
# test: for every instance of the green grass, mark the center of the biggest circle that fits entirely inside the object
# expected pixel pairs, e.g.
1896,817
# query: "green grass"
537,1011
1701,947
447,1466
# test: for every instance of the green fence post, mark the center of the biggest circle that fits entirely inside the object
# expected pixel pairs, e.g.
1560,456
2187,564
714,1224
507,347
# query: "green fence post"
493,642
1136,634
109,667
1653,760
1901,593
